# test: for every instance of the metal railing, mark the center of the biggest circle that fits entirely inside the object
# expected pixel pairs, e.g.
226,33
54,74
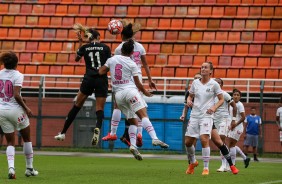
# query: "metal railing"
69,84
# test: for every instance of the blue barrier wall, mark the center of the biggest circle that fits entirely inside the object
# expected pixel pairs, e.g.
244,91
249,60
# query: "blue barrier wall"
165,119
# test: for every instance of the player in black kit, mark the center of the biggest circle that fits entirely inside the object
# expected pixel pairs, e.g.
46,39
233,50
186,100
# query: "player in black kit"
95,55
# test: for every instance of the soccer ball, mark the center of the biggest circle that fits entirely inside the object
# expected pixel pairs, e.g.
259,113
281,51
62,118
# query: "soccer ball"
115,27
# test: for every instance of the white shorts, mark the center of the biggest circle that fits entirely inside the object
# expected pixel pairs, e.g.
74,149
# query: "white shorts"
222,125
129,101
197,127
236,133
13,119
280,136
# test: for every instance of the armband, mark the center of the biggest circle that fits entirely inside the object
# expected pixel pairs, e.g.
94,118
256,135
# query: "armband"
234,118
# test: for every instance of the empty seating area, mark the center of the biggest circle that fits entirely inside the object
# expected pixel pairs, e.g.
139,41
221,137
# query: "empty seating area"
242,38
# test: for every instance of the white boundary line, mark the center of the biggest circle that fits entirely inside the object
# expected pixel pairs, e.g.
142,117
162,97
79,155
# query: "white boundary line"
270,182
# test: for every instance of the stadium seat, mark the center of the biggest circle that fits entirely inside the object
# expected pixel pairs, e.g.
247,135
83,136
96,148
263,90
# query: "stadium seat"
173,60
246,73
206,11
68,21
213,59
247,36
166,48
50,9
158,35
267,50
264,24
156,11
156,72
272,74
221,36
133,10
14,8
25,58
56,21
224,61
216,49
43,69
193,71
196,36
171,35
272,36
79,70
276,62
230,11
219,73
213,23
209,36
199,60
232,73
161,60
225,24
20,20
37,58
183,36
186,61
201,23
259,36
68,70
31,46
50,58
44,46
217,11
234,37
4,8
259,73
178,49
238,62
85,10
31,69
73,10
192,49
193,11
229,49
164,23
242,12
255,50
177,24
26,9
19,46
242,49
168,72
8,20
55,70
44,21
25,33
181,72
204,49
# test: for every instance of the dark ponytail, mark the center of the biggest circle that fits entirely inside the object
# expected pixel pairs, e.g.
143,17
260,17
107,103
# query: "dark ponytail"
127,32
127,47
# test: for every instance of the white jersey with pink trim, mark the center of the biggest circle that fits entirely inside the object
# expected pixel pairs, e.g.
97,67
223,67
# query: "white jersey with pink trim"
122,70
138,51
9,79
204,97
222,111
240,109
279,114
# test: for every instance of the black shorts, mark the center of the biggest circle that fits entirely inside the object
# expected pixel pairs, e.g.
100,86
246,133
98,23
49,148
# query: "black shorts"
213,127
94,84
1,131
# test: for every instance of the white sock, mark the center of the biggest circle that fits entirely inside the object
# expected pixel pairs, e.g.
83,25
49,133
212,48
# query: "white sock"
116,116
147,125
10,152
132,134
28,151
223,160
238,150
206,152
232,153
191,154
139,128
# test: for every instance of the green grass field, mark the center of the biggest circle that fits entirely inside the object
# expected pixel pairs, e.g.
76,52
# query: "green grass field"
82,170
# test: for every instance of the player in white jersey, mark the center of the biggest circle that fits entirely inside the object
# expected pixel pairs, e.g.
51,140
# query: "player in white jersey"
139,57
222,122
125,84
279,119
14,113
236,129
203,92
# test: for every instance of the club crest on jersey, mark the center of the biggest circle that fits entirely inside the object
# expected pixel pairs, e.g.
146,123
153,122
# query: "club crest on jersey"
208,90
21,119
133,100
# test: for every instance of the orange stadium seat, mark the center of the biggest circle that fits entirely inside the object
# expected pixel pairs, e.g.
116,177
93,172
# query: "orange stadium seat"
56,21
213,23
201,23
216,49
272,74
21,68
26,9
31,46
38,9
229,49
85,10
171,35
238,62
206,11
156,72
268,50
50,9
156,10
184,36
226,24
20,20
168,72
251,24
193,71
55,70
179,49
204,49
164,23
161,60
230,11
31,20
177,23
267,11
37,57
196,36
224,61
158,35
251,62
25,58
79,70
14,8
232,73
50,58
234,37
68,70
246,73
43,69
218,11
259,73
189,23
4,8
255,50
68,21
242,11
209,36
166,48
173,60
3,32
198,60
242,49
219,73
44,21
181,72
192,49
186,61
247,36
19,46
31,69
272,36
259,36
73,9
276,62
8,20
213,59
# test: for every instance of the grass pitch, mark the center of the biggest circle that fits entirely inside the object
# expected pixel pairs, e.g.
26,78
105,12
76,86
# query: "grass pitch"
84,170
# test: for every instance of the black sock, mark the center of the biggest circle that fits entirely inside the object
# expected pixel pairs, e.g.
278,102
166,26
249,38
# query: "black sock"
71,116
255,156
125,133
100,118
225,153
246,154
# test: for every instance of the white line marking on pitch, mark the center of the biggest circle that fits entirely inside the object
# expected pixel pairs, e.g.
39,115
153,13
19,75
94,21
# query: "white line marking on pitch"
270,182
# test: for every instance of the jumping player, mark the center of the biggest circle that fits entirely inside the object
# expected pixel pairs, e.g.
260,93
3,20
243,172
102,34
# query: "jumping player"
126,83
14,113
139,57
95,55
